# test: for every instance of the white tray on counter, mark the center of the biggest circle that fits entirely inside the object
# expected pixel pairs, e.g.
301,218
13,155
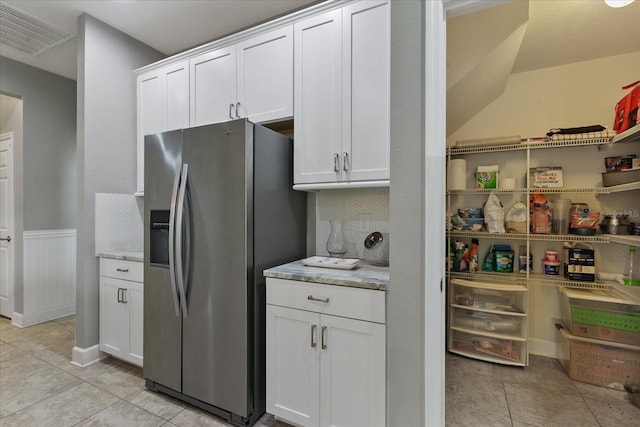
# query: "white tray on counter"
327,262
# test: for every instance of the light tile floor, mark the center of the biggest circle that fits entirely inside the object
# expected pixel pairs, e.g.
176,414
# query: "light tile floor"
40,387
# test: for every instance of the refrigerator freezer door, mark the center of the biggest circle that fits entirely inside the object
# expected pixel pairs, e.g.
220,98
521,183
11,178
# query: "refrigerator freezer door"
216,330
162,327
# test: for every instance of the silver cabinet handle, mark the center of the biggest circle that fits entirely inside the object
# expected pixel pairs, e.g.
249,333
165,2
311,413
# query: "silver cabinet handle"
124,296
313,336
122,270
230,112
324,300
345,161
119,294
238,109
323,334
6,239
336,161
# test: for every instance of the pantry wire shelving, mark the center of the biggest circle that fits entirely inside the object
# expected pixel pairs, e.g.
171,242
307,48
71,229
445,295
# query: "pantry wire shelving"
530,278
469,339
631,135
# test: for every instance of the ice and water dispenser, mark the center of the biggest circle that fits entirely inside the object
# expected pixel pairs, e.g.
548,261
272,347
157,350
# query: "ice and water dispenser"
159,238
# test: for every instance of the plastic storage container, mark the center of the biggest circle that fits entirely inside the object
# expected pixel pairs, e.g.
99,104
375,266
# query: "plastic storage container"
601,314
488,321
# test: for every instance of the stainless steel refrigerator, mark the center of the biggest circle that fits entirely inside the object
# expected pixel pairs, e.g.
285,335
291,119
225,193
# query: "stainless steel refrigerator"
219,209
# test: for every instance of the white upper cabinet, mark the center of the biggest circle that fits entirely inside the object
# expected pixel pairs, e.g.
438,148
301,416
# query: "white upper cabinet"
176,92
265,76
213,86
252,79
365,90
318,127
341,69
163,104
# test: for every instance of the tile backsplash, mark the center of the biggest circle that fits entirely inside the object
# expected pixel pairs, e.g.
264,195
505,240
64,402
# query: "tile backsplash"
119,224
362,211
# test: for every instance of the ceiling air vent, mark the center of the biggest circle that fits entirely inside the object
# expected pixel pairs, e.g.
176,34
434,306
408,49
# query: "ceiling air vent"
27,33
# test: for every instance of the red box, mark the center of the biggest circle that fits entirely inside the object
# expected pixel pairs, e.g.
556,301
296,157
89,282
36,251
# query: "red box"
627,109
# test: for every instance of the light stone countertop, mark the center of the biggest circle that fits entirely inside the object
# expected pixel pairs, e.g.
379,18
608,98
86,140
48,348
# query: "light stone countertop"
123,255
365,275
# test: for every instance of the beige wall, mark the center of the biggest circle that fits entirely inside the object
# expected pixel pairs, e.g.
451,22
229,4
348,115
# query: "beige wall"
571,95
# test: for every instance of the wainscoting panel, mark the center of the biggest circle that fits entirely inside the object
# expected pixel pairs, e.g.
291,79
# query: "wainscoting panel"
49,275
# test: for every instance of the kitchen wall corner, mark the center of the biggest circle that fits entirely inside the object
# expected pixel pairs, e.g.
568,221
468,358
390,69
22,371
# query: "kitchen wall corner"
119,223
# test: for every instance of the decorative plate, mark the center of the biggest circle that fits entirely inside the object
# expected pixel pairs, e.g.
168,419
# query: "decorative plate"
327,262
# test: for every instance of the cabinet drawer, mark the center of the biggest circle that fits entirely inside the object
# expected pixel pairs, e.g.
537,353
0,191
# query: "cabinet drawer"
344,301
121,269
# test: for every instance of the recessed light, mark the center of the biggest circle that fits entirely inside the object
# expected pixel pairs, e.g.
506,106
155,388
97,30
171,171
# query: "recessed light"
618,3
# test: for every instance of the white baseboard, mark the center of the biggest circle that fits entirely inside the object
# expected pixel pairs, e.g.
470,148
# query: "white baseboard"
16,319
23,321
543,348
84,357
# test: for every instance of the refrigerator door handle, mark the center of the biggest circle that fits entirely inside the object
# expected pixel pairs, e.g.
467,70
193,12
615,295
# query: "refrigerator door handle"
172,258
179,254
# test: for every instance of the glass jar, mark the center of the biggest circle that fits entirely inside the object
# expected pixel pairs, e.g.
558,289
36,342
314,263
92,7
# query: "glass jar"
336,243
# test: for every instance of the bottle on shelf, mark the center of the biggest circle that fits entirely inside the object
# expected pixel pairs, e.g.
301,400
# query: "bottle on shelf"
631,275
473,256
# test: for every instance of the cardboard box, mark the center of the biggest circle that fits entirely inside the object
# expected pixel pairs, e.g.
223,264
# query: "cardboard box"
487,179
546,177
598,362
627,111
581,265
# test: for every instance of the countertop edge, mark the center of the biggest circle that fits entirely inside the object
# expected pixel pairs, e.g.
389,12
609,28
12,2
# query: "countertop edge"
122,255
364,277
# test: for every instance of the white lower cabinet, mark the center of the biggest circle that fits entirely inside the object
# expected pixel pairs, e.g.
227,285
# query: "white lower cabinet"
325,369
121,309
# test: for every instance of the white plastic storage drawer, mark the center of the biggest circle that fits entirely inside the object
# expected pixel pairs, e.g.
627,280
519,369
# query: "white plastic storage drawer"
489,348
499,298
344,301
488,323
121,269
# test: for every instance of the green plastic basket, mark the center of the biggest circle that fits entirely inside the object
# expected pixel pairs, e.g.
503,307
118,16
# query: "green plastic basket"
605,319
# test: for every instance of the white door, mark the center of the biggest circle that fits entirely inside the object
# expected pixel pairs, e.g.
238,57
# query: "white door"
265,76
293,389
213,87
134,299
352,373
366,91
114,317
317,98
6,224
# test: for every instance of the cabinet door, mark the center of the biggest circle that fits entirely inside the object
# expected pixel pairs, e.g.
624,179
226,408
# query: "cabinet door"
176,96
135,303
149,93
317,98
114,319
352,372
213,86
365,91
293,365
265,76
